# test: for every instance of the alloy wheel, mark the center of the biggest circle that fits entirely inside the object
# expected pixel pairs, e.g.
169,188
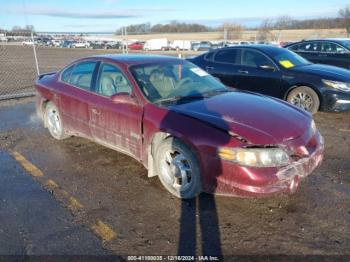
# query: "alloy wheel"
176,170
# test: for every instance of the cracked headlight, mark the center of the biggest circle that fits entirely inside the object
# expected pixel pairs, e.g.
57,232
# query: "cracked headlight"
313,127
255,157
343,86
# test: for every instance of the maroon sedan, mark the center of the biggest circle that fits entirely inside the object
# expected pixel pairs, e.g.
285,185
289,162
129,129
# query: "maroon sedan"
182,124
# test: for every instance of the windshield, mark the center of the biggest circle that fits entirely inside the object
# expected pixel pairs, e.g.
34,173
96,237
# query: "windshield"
346,43
288,59
175,81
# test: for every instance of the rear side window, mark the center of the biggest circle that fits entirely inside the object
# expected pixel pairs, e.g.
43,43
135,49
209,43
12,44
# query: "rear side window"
112,81
309,47
82,75
226,56
65,77
209,56
294,47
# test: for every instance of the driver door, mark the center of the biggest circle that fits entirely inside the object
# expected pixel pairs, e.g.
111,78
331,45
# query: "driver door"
257,73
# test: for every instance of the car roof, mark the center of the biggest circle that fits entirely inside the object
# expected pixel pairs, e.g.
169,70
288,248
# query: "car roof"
337,39
261,47
324,39
135,59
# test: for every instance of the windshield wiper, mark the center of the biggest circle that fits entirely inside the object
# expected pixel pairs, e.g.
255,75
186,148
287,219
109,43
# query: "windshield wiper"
180,98
215,92
193,97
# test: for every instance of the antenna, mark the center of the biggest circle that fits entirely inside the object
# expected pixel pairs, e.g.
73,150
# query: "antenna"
35,57
32,38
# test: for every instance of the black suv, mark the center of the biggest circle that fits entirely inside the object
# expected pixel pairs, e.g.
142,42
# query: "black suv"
334,52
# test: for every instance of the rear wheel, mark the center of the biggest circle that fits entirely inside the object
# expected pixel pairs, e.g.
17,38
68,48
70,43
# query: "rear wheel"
54,122
305,98
178,169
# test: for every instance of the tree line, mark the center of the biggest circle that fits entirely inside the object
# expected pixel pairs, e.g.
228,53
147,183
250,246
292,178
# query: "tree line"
173,27
234,30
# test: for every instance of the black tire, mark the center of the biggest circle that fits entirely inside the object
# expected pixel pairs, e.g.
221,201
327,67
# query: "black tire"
194,187
311,103
61,133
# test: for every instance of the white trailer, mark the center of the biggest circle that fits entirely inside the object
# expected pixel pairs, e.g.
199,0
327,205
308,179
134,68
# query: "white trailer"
181,45
156,44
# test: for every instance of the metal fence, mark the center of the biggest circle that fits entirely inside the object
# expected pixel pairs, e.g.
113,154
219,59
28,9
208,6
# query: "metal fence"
17,68
20,62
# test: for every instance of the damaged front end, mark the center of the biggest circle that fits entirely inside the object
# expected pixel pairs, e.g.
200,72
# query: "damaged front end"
258,171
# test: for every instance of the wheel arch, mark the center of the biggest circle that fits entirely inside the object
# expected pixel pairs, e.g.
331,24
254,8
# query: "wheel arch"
156,139
42,108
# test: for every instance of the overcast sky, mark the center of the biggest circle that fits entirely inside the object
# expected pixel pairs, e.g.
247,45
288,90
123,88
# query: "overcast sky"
108,15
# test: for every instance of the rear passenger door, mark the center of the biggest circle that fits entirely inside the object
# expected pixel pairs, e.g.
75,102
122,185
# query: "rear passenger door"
75,85
116,124
223,65
334,54
309,50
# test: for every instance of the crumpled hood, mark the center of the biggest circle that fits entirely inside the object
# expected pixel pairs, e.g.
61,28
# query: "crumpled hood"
260,120
326,71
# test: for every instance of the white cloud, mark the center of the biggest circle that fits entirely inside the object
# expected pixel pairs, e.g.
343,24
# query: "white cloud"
95,14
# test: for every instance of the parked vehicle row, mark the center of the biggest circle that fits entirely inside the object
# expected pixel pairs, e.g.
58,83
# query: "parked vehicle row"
334,51
161,44
186,127
280,73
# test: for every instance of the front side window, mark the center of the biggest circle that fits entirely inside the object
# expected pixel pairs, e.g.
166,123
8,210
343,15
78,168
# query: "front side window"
226,56
82,75
255,59
178,81
112,81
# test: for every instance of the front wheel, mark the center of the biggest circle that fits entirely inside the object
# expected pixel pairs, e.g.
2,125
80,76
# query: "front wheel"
178,169
305,98
54,122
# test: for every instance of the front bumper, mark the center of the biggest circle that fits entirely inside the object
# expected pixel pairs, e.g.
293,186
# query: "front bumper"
336,102
262,182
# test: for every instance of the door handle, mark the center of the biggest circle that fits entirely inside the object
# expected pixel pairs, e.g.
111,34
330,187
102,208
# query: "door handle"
208,68
323,55
243,72
95,111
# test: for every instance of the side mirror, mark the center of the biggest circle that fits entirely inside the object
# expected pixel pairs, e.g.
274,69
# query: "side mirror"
267,68
123,98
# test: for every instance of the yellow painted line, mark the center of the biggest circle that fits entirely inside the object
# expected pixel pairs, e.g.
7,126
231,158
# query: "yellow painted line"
103,231
51,184
27,165
74,204
344,130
